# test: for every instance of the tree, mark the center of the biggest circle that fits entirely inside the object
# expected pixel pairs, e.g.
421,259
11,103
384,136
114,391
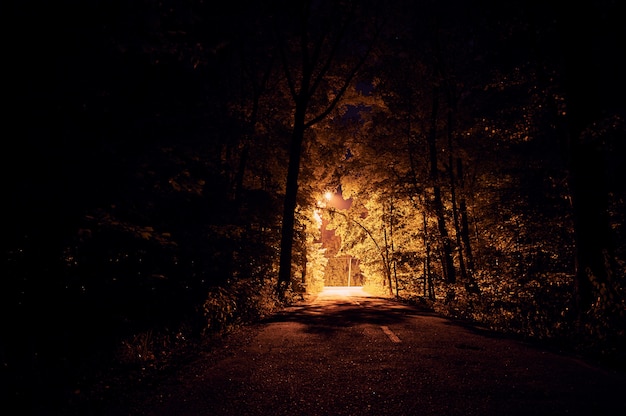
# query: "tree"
316,80
594,86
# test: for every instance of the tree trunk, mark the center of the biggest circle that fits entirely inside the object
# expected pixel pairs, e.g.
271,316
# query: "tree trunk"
291,192
463,225
393,252
428,278
455,211
587,92
315,65
447,259
386,257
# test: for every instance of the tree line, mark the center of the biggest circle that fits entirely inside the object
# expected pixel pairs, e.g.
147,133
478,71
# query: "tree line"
173,156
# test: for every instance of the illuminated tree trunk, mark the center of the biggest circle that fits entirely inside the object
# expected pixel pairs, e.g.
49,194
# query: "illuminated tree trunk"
429,290
447,259
349,269
386,260
460,224
389,247
393,252
428,276
291,192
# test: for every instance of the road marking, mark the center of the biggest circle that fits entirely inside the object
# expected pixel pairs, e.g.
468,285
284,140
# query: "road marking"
393,337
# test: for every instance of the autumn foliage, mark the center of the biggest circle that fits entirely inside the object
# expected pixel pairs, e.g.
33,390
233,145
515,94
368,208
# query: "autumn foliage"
147,213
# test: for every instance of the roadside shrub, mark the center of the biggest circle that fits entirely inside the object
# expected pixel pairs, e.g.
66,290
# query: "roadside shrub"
219,309
242,301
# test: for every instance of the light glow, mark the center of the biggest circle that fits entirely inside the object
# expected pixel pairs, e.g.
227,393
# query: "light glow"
317,216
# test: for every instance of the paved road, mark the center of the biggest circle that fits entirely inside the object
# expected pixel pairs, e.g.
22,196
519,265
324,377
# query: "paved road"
349,353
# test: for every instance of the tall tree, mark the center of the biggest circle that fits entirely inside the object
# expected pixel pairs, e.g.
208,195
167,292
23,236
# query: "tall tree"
591,42
447,256
318,71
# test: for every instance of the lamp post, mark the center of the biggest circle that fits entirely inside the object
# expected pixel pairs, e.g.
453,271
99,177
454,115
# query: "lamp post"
349,269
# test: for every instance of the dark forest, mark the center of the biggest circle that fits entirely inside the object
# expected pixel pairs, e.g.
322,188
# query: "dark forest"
174,169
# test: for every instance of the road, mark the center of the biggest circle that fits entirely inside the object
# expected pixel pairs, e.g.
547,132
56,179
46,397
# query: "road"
346,352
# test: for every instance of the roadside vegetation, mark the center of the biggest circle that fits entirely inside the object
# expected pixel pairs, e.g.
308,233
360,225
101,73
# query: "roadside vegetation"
482,183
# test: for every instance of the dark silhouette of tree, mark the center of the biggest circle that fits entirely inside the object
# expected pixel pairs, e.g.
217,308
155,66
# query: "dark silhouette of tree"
591,40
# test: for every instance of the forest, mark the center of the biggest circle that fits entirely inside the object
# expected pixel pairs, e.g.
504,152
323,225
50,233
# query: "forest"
173,169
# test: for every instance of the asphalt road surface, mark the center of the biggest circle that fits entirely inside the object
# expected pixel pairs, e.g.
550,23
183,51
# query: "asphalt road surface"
349,353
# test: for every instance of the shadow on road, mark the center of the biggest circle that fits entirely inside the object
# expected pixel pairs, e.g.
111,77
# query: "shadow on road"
337,309
330,315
